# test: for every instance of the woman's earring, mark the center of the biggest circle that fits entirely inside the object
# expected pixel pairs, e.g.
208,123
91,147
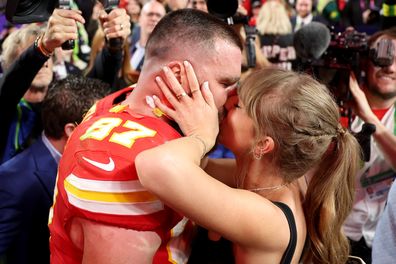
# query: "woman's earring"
258,153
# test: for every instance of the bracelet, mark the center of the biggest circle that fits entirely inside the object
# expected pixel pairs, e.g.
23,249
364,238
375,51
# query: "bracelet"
39,45
203,143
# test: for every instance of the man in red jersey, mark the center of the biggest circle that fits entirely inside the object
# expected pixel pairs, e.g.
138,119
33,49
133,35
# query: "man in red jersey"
101,212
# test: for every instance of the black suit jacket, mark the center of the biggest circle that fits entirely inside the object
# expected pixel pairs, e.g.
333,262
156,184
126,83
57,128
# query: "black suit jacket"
27,184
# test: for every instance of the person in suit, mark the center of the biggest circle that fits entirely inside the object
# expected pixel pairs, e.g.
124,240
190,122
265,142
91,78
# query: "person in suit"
151,13
27,181
304,15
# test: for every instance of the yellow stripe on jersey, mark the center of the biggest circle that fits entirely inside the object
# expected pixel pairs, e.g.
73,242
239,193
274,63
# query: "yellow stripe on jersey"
134,197
111,197
129,197
118,108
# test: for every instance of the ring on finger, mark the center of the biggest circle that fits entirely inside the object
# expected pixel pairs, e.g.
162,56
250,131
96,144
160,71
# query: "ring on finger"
179,96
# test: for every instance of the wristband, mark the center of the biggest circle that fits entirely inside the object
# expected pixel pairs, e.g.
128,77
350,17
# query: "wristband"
38,44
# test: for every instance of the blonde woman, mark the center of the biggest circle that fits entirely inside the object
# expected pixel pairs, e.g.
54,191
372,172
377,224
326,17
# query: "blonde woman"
275,34
284,127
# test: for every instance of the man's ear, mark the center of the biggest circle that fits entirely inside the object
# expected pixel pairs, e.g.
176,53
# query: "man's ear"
68,129
179,71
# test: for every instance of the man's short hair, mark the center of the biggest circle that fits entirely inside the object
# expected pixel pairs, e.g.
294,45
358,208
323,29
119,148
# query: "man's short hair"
68,100
390,33
189,27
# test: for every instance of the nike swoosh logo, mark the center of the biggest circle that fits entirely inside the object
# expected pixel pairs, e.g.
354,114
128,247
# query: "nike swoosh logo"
104,166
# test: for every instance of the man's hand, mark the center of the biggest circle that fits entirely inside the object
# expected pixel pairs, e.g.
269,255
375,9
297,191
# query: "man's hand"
61,27
116,24
361,105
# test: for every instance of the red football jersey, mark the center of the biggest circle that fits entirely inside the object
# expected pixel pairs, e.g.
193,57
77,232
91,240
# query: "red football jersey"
97,180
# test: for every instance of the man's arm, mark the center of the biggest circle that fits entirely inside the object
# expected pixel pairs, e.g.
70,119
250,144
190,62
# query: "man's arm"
13,85
102,244
17,79
108,62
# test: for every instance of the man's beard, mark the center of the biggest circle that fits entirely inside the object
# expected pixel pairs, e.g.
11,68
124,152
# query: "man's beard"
385,96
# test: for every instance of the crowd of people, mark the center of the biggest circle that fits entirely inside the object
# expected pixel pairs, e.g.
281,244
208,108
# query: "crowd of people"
153,139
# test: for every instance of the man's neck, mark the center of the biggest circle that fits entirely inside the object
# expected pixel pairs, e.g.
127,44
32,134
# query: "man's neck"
54,146
137,102
58,144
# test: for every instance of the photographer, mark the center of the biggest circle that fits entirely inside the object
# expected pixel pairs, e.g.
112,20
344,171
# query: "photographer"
375,104
28,76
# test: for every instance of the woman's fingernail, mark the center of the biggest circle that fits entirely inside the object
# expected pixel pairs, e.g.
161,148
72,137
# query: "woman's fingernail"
186,63
150,102
165,69
155,97
206,85
158,79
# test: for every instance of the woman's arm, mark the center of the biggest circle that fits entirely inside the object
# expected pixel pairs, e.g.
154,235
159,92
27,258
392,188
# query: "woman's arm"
180,183
178,180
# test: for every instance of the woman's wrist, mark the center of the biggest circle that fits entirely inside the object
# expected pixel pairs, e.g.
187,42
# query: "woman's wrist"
205,147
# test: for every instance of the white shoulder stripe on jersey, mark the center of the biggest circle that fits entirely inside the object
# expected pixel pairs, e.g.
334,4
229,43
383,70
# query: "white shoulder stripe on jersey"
143,208
105,186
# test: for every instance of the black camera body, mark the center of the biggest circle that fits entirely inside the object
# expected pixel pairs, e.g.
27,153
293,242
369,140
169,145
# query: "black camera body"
347,49
30,11
346,53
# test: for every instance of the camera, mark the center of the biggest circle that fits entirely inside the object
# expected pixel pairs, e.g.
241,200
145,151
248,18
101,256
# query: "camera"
331,57
346,53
